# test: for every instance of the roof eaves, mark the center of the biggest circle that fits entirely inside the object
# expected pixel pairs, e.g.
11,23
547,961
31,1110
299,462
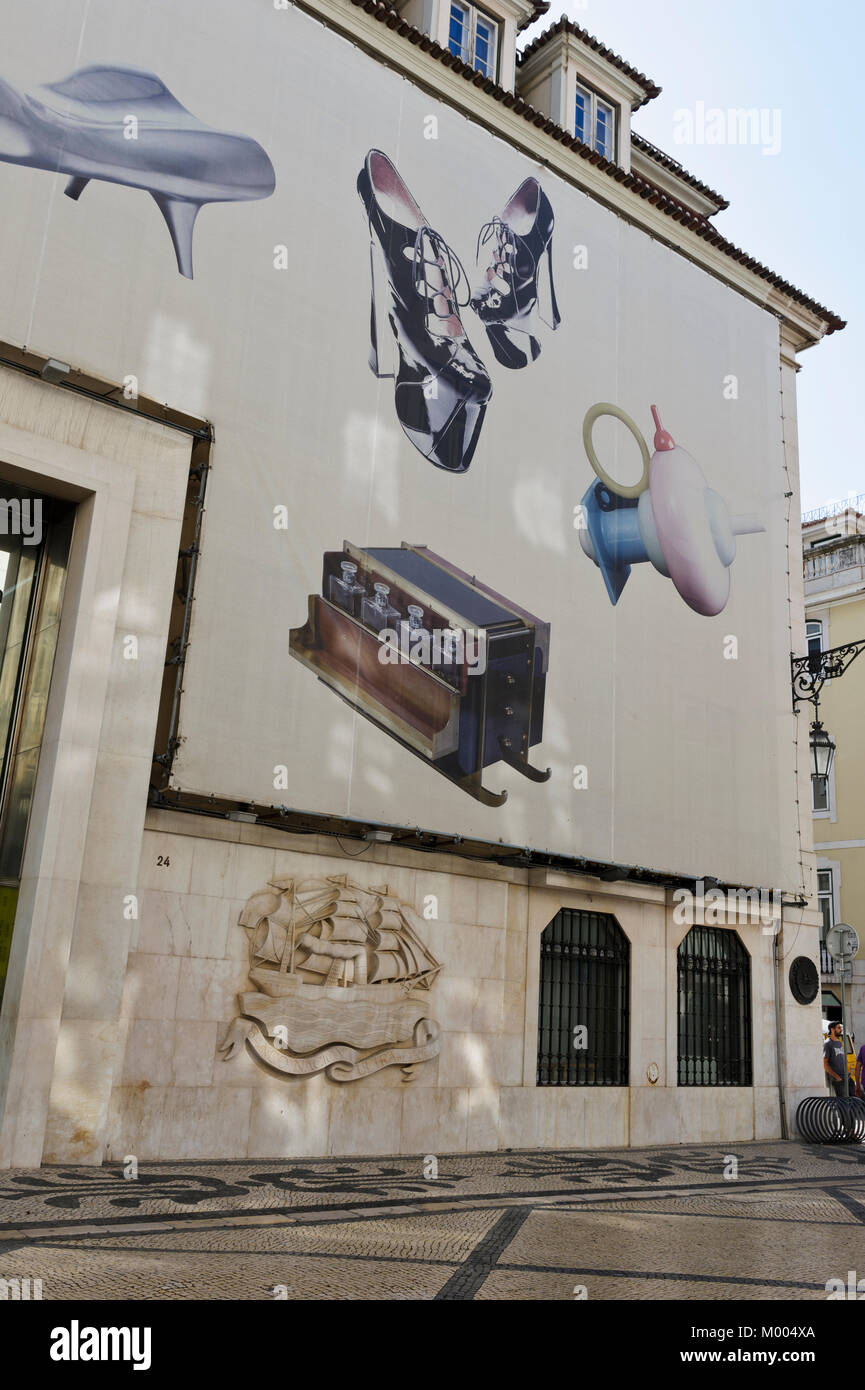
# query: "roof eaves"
537,13
673,165
567,26
656,196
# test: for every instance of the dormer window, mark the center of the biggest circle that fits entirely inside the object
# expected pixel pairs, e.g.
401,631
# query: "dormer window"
474,37
595,122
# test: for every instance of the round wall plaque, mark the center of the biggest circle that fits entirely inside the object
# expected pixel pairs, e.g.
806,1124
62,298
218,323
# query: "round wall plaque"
804,980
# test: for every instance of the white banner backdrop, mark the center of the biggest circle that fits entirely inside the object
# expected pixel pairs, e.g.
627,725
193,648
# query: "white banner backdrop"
665,723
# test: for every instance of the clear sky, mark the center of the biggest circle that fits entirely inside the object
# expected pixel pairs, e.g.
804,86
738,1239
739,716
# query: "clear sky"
800,211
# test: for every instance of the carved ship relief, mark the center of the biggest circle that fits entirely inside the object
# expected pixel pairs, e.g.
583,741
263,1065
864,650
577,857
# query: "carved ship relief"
342,981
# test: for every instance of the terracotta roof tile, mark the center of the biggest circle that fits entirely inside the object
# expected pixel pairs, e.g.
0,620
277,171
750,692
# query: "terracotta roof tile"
567,26
676,168
665,202
537,13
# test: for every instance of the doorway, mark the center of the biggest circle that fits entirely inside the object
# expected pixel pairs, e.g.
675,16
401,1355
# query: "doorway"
35,537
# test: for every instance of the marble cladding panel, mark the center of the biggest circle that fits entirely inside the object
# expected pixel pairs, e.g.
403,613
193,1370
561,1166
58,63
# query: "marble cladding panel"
177,1097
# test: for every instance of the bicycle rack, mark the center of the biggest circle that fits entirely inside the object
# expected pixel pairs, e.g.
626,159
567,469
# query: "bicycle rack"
831,1119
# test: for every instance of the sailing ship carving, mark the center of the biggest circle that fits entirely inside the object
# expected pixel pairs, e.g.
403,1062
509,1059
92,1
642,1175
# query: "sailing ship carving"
342,979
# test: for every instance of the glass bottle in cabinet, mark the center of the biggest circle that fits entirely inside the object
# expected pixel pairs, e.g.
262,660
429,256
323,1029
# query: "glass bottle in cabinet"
345,590
449,663
418,639
378,612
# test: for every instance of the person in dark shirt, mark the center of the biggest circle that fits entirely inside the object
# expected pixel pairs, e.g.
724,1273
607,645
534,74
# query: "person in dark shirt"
834,1060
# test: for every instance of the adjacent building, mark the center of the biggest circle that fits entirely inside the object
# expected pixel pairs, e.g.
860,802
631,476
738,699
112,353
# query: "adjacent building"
833,542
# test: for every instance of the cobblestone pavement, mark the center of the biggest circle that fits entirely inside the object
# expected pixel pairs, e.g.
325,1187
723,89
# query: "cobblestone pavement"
757,1221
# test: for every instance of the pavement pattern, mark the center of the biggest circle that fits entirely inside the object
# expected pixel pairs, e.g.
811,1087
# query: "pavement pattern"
770,1221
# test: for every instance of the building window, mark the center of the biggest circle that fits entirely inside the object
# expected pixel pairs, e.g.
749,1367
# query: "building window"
820,796
826,903
815,640
821,802
583,1001
714,1009
595,122
826,897
474,38
814,636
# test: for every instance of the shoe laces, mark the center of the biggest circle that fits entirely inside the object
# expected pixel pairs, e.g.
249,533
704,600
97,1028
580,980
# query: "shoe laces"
502,267
431,250
504,251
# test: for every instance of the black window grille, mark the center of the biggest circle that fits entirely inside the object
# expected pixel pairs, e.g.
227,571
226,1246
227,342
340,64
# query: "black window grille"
584,984
714,1009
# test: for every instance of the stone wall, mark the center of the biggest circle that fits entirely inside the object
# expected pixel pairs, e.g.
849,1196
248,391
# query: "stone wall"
175,1096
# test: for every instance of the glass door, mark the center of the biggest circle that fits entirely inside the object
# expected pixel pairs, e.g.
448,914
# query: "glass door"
35,535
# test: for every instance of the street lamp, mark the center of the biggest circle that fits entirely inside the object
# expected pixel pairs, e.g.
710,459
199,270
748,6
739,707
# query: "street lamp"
809,674
822,750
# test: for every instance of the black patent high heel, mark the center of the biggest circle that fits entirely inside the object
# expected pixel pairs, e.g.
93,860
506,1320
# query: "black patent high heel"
441,387
507,301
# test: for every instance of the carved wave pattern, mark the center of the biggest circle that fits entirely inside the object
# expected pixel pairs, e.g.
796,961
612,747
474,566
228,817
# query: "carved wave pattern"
314,1023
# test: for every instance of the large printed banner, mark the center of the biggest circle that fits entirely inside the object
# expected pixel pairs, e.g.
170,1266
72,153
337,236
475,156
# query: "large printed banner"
495,539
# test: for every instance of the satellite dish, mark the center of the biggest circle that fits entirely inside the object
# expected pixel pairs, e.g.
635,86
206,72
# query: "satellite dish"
842,940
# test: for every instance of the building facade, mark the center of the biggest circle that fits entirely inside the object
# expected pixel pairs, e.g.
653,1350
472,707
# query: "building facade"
386,771
834,558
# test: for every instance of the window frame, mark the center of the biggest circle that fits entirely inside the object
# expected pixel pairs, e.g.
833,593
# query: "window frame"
829,811
700,963
595,99
584,978
830,895
468,52
826,895
816,632
820,635
821,812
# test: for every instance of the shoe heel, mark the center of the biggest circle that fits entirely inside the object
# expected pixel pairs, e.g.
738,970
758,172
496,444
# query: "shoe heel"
557,318
180,218
75,187
514,348
373,327
374,361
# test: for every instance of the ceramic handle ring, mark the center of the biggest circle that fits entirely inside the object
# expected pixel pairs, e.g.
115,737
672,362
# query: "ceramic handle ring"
595,413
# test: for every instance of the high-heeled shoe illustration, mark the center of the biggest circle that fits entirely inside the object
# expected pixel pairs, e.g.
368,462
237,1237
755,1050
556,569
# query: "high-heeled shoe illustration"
508,296
441,387
123,125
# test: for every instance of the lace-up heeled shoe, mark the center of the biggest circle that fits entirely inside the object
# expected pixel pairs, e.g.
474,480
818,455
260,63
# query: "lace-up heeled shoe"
508,296
441,387
124,126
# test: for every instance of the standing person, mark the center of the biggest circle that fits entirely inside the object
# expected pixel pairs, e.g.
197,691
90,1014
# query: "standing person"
859,1075
834,1060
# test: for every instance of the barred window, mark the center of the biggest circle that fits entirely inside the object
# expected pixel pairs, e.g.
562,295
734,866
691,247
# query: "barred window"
714,1009
583,1001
